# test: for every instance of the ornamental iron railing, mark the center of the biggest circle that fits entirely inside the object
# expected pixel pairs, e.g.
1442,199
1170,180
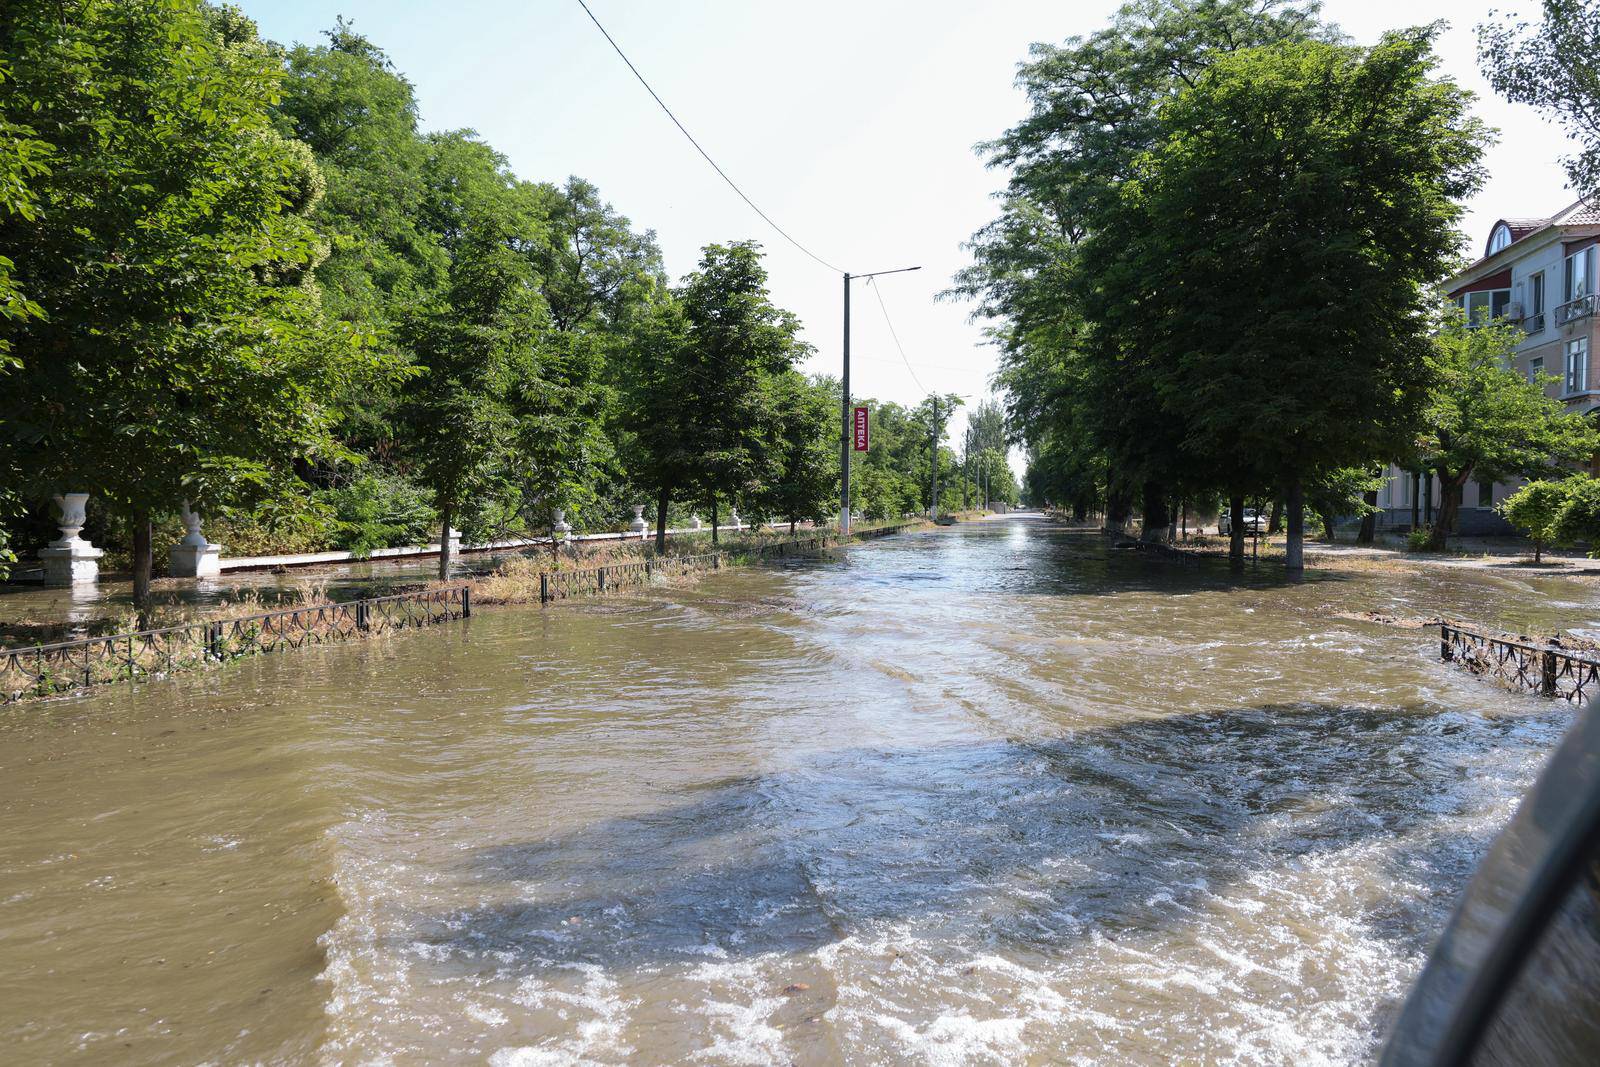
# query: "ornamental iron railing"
70,666
67,666
1547,668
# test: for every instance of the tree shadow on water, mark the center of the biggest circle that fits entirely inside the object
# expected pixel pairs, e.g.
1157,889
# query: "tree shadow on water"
1030,843
1073,563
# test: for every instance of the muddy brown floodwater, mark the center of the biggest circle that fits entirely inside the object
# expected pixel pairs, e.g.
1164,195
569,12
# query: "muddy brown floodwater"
989,794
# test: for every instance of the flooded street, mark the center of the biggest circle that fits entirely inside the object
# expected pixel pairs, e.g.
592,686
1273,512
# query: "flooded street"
990,794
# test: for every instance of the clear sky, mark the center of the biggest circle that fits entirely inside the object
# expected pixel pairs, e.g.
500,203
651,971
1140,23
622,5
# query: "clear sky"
851,123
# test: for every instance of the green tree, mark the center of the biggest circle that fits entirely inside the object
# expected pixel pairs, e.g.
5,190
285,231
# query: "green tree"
1550,65
737,347
1579,517
1269,267
1080,395
476,341
659,409
1342,491
358,114
807,484
1536,509
1484,420
23,158
181,353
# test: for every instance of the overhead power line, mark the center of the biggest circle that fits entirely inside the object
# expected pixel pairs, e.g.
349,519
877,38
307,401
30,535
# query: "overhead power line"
890,323
706,155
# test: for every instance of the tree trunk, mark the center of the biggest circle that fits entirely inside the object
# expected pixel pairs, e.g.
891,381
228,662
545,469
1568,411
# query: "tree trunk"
1118,508
1449,504
143,564
1275,520
663,502
1079,512
1154,513
1369,521
714,518
1538,547
446,513
1294,547
1328,519
1416,500
1236,531
791,525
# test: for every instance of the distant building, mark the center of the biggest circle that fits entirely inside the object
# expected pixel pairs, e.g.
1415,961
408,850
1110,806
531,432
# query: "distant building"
1539,274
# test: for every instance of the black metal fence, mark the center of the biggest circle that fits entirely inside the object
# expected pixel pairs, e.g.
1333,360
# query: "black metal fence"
589,581
66,666
70,665
1547,668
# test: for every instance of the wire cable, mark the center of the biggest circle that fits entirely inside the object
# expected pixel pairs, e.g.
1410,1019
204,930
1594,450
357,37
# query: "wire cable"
872,282
706,155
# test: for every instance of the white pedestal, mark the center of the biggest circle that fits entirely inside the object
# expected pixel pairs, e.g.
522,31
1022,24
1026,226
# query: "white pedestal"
638,525
68,563
195,561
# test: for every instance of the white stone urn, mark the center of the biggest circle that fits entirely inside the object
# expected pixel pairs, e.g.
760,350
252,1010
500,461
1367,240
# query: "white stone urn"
194,556
695,523
638,525
73,508
561,526
70,560
733,518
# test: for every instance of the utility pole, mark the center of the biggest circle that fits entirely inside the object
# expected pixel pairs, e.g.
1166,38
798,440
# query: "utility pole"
844,422
844,406
966,467
933,506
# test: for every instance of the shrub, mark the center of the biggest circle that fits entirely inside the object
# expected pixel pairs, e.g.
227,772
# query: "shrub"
1579,519
1535,509
378,510
1419,540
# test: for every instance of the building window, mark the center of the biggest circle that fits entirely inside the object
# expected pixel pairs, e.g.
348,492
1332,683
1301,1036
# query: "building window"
1577,365
1499,238
1535,370
1486,494
1485,305
1578,275
1536,295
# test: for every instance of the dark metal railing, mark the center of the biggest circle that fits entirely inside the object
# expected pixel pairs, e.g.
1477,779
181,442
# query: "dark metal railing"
1576,309
1547,668
564,584
67,666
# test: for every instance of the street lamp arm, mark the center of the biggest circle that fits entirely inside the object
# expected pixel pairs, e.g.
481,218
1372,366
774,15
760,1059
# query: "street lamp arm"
876,273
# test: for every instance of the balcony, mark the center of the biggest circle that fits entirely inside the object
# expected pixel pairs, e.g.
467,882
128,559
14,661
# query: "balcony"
1533,323
1576,309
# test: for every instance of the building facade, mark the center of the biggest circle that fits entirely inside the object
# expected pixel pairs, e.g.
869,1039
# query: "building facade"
1540,274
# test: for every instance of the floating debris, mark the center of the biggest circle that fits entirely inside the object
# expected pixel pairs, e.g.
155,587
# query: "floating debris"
1385,619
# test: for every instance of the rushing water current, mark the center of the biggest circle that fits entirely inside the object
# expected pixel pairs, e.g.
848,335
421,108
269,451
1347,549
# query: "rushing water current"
991,794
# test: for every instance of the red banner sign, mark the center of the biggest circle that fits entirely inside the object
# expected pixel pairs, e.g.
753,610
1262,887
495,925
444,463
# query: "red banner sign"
861,429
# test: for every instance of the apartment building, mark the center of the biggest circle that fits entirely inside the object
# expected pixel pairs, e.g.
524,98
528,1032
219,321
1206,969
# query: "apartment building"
1540,274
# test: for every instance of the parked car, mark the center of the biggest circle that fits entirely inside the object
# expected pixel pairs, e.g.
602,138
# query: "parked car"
1254,522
